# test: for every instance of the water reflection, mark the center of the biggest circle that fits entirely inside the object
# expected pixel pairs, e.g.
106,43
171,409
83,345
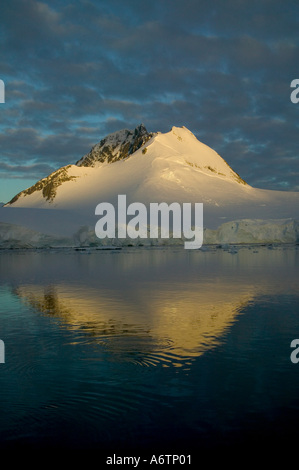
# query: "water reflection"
148,347
172,311
169,325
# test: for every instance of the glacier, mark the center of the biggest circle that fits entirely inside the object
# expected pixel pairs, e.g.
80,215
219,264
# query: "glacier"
239,232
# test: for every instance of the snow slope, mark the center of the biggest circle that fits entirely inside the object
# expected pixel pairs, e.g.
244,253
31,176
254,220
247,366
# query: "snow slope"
170,167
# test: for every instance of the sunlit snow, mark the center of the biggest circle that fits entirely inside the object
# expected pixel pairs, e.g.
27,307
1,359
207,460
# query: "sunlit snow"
171,167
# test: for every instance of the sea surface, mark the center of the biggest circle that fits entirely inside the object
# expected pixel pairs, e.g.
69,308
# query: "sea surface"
150,351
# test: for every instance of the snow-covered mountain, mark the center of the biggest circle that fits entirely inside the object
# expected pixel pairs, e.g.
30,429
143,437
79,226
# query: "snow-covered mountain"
152,167
173,166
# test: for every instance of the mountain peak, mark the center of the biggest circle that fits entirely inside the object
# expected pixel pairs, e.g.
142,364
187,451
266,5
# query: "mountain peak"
116,146
173,164
181,144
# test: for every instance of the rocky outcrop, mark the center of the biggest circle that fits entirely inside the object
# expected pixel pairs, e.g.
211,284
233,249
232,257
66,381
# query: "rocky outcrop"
116,146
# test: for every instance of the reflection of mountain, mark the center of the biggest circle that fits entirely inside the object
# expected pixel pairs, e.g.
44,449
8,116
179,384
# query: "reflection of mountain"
149,306
160,323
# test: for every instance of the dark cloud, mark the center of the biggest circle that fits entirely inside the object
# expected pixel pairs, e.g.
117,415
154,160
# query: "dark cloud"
22,171
79,70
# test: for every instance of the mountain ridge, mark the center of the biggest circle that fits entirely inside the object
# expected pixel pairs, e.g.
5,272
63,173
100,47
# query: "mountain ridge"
166,167
121,145
116,146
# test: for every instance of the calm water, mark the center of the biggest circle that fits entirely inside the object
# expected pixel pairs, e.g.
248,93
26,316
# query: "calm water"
150,351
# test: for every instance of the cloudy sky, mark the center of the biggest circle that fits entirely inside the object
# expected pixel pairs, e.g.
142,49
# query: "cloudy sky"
76,71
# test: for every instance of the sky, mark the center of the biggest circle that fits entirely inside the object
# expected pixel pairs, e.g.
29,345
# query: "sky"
77,71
